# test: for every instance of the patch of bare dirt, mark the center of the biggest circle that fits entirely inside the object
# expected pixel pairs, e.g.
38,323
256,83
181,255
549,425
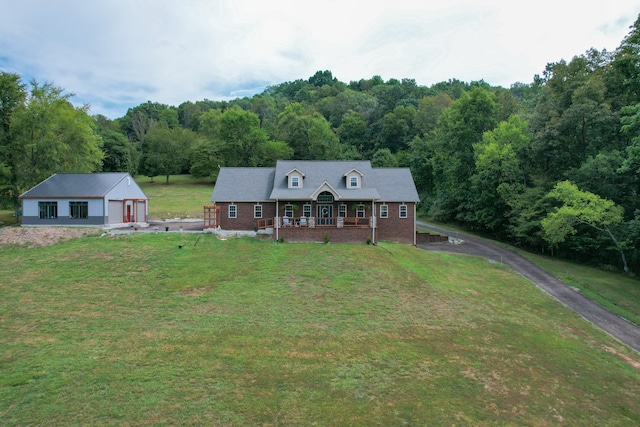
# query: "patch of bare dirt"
195,292
41,236
624,357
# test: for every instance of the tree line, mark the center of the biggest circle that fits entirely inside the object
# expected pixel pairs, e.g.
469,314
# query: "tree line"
552,165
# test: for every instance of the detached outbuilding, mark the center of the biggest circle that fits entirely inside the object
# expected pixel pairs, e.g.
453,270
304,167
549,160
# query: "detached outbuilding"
102,199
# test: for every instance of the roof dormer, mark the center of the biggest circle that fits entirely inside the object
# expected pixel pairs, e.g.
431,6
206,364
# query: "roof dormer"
294,179
353,179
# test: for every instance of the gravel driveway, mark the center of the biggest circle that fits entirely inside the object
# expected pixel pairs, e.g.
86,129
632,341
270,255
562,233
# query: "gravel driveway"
622,329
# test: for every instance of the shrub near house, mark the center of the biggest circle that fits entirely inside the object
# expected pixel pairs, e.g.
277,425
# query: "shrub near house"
348,201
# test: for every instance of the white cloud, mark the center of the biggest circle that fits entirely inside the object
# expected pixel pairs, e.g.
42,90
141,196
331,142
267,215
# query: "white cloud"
116,54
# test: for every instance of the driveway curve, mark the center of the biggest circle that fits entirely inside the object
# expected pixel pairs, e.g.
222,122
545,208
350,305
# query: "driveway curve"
620,328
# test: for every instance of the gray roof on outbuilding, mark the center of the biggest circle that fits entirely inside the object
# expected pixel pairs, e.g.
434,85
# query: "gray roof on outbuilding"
76,185
243,185
265,184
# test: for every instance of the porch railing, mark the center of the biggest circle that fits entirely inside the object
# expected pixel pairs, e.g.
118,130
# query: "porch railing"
266,223
312,222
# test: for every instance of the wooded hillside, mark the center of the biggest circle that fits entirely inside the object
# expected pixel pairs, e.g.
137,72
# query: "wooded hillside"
552,165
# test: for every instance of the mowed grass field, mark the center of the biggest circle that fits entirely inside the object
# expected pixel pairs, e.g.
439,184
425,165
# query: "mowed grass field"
134,330
182,197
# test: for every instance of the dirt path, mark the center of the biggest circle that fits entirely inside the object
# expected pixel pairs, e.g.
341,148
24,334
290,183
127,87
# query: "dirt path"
625,331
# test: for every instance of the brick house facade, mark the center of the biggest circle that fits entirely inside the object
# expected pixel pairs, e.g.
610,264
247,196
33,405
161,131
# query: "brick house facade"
342,201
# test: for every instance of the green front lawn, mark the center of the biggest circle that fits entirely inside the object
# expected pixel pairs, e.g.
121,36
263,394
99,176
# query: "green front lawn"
134,330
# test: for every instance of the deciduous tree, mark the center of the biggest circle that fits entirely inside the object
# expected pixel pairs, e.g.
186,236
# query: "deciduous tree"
50,135
581,207
12,96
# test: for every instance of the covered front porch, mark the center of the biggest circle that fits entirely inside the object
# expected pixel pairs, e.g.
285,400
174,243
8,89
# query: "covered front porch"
312,220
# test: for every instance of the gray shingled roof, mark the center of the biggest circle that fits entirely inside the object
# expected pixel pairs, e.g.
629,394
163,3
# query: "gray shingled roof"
395,185
265,184
318,172
243,185
76,185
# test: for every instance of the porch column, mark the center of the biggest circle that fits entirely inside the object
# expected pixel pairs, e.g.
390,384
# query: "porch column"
373,222
415,228
276,220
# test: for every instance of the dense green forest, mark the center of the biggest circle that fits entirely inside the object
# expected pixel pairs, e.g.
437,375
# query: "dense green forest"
552,165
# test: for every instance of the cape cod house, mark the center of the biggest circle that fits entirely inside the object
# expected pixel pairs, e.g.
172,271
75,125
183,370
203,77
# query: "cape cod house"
342,201
87,199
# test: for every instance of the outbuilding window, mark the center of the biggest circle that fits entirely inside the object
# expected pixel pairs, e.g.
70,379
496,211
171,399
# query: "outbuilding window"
48,210
79,210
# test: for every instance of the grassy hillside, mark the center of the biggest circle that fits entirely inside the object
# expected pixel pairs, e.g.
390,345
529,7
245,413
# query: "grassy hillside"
133,330
617,292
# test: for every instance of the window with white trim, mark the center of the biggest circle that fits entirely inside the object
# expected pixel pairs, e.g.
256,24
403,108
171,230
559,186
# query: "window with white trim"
306,210
233,211
257,211
360,211
48,210
353,182
288,210
403,211
295,182
342,210
78,210
384,211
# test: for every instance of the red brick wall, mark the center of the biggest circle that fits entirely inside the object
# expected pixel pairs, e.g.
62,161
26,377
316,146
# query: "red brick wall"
245,219
394,228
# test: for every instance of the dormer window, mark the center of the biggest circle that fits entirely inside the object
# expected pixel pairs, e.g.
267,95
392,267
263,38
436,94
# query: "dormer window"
294,179
353,179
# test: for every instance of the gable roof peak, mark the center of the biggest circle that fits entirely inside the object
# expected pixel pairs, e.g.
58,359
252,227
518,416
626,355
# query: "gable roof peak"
325,186
353,170
295,170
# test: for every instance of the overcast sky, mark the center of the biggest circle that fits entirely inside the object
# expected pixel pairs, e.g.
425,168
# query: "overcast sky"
116,54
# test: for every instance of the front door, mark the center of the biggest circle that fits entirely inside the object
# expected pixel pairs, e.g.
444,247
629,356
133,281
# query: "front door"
325,215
